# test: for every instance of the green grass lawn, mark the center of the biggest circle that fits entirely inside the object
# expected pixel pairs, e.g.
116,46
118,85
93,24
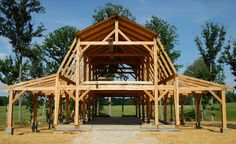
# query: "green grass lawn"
129,110
25,112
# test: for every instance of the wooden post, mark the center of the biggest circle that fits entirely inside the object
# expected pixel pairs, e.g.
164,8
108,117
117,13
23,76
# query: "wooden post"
50,98
171,108
198,106
223,111
148,108
110,106
176,101
93,107
67,108
182,110
139,109
77,75
9,128
61,110
136,108
89,107
57,101
165,108
84,109
155,81
143,108
35,117
123,106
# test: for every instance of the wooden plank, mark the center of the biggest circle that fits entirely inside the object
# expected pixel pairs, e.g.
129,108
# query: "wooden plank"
117,82
35,88
166,55
198,88
67,55
117,43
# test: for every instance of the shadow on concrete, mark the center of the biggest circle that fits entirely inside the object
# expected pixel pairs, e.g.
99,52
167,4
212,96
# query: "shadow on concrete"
115,121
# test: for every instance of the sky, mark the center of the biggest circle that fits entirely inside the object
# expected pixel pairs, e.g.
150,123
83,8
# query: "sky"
188,16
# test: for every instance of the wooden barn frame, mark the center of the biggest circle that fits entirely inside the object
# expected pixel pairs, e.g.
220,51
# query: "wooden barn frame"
116,45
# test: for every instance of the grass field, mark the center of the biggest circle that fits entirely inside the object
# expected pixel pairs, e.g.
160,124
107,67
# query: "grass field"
129,110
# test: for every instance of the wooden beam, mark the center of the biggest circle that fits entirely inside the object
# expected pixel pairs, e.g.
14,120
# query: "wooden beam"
18,96
83,95
216,96
149,94
162,94
198,88
117,82
116,31
116,43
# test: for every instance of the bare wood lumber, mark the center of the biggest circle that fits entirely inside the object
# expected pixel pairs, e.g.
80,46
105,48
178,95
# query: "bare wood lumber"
10,110
223,110
18,96
77,75
176,102
57,101
216,96
116,43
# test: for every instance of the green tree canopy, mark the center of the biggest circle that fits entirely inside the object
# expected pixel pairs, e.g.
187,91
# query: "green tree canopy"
198,69
229,57
55,46
210,45
110,9
167,34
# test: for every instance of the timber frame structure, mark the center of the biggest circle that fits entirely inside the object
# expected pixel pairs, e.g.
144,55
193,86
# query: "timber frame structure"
116,45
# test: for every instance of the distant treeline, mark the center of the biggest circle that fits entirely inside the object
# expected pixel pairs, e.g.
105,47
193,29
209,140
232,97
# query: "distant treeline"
3,100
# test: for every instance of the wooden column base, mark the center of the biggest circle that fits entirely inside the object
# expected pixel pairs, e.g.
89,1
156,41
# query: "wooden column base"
176,126
76,126
198,125
10,130
35,127
223,130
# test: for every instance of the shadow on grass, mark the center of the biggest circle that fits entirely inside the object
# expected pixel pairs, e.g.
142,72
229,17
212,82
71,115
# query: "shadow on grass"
229,125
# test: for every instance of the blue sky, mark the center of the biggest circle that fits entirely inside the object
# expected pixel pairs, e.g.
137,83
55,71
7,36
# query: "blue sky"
187,15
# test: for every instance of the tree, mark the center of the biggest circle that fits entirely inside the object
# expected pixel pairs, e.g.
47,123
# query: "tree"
110,9
167,35
229,57
213,36
16,25
55,47
199,70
